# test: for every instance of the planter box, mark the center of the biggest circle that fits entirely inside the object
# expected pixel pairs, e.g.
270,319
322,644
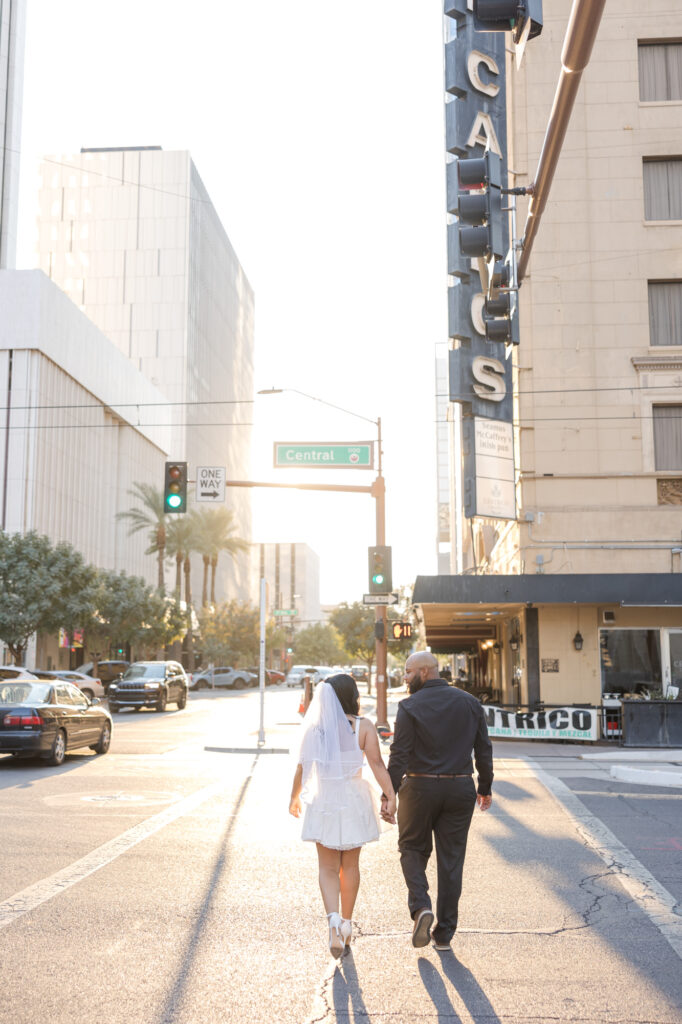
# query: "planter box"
652,723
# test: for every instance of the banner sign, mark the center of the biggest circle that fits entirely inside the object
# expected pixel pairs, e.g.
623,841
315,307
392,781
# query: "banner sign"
550,724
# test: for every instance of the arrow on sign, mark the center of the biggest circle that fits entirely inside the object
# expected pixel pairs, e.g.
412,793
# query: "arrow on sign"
380,599
209,494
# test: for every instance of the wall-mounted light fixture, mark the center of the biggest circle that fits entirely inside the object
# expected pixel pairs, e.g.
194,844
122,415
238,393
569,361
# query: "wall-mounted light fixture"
578,641
515,641
497,646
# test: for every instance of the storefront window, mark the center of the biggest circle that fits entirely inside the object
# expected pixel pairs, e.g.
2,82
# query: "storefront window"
630,660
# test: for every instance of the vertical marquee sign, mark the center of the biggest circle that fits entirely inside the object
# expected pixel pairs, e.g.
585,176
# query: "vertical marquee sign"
479,370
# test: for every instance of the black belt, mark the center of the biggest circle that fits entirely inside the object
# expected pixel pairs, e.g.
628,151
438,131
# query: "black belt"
442,775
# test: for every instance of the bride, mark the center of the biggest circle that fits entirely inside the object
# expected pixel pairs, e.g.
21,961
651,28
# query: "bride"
341,812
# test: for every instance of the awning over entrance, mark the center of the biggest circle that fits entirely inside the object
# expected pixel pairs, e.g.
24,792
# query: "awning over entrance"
459,611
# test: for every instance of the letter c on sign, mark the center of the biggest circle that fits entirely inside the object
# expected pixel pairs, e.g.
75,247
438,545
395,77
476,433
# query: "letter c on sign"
474,61
489,373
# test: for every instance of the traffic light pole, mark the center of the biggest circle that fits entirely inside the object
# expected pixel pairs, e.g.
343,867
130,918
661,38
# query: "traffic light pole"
381,623
378,492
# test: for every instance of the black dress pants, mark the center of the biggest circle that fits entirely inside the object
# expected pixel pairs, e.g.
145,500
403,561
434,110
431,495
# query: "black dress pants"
440,808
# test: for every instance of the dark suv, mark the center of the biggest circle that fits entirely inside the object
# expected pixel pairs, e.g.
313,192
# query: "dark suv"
149,684
107,671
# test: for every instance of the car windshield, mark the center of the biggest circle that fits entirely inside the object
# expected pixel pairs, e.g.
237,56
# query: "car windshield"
24,693
143,671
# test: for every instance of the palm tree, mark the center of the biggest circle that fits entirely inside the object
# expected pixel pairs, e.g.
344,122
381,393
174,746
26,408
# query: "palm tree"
181,540
151,516
215,529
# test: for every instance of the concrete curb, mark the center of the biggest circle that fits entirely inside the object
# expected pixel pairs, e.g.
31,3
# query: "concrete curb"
661,755
646,777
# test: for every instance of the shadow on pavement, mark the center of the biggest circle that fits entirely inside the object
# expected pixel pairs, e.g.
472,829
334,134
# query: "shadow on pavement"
347,992
466,986
173,1005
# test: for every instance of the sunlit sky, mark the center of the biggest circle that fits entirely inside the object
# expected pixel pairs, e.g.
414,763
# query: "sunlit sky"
318,132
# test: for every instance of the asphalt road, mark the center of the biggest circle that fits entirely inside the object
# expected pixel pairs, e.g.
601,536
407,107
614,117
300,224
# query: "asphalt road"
164,883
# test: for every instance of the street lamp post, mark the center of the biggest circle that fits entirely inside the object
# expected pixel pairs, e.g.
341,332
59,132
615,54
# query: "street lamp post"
378,491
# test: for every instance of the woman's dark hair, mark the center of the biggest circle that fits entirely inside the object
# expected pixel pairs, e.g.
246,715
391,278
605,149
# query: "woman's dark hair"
346,689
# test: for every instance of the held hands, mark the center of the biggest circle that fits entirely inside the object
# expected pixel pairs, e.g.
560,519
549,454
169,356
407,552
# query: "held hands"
484,802
388,805
295,807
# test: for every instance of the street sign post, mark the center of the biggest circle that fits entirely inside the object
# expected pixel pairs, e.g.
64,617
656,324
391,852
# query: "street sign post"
380,599
324,456
211,484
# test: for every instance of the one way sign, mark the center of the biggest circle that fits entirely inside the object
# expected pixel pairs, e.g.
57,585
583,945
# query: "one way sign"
211,483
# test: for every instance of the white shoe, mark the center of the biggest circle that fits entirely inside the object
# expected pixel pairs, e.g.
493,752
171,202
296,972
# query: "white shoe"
336,943
346,931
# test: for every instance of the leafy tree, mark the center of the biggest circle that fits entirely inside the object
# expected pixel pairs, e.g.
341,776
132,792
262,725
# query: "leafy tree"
319,645
151,517
231,633
355,624
130,612
214,533
43,587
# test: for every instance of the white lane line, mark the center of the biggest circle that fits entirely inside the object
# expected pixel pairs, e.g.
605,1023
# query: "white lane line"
654,899
28,899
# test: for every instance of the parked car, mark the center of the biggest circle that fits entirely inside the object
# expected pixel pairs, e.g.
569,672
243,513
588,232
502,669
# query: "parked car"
150,684
297,674
271,676
48,719
360,673
88,685
15,672
224,676
107,671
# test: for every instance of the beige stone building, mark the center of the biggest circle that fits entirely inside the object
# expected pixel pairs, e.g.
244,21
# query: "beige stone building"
581,594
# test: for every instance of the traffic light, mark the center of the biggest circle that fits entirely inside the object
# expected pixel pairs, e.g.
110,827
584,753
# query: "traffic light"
401,630
175,487
380,578
479,207
500,309
520,17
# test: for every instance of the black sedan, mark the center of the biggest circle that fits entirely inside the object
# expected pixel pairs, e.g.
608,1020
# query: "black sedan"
47,718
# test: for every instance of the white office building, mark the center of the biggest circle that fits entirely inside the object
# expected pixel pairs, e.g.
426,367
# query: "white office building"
76,430
131,236
292,575
12,22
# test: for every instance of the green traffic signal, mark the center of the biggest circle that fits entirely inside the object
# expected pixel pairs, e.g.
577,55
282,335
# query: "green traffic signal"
175,487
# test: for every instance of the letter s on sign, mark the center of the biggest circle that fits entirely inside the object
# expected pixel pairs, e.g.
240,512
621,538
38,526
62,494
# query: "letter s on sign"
489,373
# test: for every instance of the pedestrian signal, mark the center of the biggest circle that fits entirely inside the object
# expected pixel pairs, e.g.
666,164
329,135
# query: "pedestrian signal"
401,630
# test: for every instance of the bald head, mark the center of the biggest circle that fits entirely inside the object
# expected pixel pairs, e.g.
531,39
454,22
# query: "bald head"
418,668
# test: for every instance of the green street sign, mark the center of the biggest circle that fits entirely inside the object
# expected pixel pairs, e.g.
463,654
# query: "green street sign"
325,456
285,611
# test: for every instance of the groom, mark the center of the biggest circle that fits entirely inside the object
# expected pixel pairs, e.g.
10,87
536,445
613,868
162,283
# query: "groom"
436,729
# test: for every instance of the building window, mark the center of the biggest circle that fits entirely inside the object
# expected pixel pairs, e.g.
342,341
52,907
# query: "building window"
660,71
662,188
630,660
665,312
668,436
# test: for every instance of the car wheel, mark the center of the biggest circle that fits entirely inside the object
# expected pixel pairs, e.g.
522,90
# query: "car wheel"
161,702
240,683
58,752
113,708
102,745
88,693
182,700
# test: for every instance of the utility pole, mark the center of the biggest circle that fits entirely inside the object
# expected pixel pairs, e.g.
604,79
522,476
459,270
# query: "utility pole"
381,630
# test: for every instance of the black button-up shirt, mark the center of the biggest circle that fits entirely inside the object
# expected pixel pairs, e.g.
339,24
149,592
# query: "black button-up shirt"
435,732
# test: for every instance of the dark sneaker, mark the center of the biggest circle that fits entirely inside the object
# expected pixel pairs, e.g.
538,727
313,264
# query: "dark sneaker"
421,933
